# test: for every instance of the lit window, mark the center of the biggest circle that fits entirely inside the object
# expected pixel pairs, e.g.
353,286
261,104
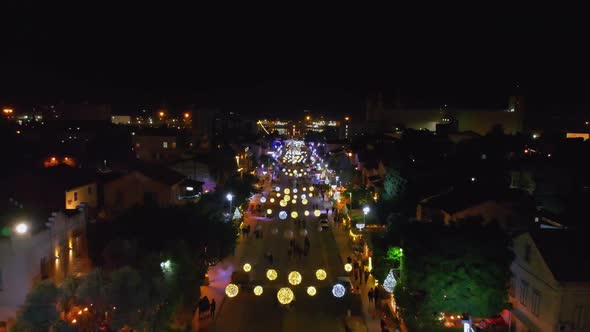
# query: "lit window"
165,145
75,196
174,145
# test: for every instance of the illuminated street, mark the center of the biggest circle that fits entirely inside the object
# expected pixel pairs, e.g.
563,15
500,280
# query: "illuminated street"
322,312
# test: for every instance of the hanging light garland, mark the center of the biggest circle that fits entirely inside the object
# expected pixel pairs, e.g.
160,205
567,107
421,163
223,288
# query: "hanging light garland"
294,278
285,295
231,290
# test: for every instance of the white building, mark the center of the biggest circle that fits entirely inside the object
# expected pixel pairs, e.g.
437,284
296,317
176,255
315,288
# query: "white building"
52,252
550,288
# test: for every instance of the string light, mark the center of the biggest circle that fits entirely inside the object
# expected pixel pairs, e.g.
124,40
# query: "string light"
321,274
231,290
285,295
311,291
271,274
247,267
338,290
258,290
294,278
347,267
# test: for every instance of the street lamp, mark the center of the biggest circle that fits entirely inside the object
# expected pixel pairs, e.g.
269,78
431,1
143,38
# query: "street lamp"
366,210
230,198
21,228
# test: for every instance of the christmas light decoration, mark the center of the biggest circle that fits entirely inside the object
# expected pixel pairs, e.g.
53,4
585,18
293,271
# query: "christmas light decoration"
321,274
338,290
389,282
258,290
271,274
294,278
231,290
311,291
285,295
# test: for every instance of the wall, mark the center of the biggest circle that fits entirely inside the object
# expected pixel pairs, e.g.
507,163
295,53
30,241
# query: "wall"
539,277
25,260
85,194
151,148
129,190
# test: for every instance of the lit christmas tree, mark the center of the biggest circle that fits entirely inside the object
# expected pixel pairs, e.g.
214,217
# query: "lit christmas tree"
389,282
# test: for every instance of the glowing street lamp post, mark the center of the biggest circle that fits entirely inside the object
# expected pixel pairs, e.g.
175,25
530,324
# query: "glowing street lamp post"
230,198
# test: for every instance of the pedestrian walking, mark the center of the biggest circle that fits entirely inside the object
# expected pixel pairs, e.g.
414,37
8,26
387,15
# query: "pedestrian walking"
370,295
212,308
367,273
376,294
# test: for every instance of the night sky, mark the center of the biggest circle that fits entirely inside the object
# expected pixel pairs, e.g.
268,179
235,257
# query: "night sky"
260,63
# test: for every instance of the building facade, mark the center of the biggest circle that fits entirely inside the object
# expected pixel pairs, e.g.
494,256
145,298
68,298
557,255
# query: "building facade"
550,287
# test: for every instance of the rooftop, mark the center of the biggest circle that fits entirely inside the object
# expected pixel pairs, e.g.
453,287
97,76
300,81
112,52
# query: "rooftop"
566,252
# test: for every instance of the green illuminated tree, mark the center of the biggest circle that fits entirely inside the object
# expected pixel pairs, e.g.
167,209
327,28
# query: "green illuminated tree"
456,269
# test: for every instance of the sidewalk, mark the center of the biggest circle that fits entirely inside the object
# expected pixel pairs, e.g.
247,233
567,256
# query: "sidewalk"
371,314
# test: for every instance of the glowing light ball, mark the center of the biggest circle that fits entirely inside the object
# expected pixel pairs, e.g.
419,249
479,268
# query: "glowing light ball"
295,190
290,174
294,278
321,274
303,196
295,196
310,188
231,290
310,195
347,267
283,203
283,168
294,201
317,213
258,290
278,189
294,214
311,291
338,290
304,201
295,171
262,199
285,295
268,211
247,267
304,189
282,215
272,200
271,274
278,194
306,213
287,191
287,198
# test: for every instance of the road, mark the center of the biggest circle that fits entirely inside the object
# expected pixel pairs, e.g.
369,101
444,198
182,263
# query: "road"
322,312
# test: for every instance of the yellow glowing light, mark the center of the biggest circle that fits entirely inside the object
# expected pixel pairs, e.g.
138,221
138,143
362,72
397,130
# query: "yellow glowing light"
370,264
258,290
294,214
161,114
306,213
186,115
294,278
271,274
74,321
285,295
278,194
311,291
268,211
283,203
321,274
347,267
310,188
287,191
310,195
294,196
317,213
287,198
231,290
304,189
304,201
272,200
247,267
294,201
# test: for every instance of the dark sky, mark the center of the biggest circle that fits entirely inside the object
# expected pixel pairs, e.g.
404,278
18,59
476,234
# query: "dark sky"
283,60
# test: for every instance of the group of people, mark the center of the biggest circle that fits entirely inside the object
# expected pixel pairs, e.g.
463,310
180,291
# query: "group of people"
295,250
206,306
